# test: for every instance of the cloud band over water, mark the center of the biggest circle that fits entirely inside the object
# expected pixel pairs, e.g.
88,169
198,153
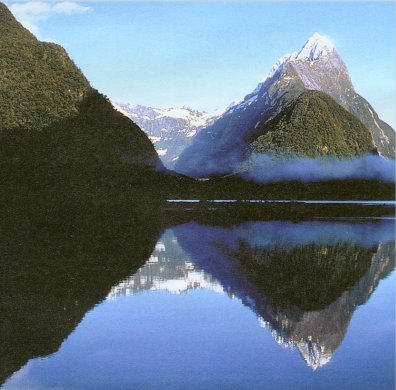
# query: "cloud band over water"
266,168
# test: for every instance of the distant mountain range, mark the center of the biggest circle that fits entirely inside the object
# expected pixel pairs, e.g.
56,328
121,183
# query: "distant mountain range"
279,117
55,128
171,130
245,127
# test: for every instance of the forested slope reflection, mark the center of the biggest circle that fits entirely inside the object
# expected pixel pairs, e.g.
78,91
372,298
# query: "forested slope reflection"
57,262
303,280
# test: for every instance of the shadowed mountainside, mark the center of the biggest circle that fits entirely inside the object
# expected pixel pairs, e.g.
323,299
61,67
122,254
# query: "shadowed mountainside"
58,134
57,262
53,124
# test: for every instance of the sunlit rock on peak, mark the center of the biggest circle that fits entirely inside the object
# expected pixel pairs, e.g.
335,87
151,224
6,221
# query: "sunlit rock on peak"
316,47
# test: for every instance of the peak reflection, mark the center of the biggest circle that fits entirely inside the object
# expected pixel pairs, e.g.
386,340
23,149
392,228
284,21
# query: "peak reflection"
169,269
303,280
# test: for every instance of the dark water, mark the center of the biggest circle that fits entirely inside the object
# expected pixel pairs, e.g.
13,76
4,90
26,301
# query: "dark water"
244,304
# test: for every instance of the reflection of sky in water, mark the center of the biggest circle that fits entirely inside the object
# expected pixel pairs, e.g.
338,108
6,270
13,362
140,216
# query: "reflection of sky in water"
179,332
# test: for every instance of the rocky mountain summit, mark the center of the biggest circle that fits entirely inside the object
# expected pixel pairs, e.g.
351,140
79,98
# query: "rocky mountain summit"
222,146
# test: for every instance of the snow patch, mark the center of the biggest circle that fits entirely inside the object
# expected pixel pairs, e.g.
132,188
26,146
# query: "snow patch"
316,47
154,139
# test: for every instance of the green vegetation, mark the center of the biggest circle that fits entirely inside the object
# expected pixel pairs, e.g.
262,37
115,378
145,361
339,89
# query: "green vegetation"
59,259
58,134
97,135
311,276
38,81
314,125
52,123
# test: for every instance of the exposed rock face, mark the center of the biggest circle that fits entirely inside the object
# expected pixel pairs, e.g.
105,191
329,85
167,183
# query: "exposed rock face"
221,147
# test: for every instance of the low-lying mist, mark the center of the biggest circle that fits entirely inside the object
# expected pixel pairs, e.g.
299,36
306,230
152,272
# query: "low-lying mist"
266,168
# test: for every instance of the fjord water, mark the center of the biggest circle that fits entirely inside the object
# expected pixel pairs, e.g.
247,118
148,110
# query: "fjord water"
253,304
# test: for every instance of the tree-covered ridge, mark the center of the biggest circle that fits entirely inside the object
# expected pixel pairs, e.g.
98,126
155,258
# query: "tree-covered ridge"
39,83
314,125
50,116
310,276
97,138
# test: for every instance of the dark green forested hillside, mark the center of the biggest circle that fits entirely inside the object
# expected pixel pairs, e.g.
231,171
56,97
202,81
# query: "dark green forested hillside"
38,81
51,117
59,135
314,125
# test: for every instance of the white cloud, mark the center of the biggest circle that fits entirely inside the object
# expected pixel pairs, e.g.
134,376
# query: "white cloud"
31,13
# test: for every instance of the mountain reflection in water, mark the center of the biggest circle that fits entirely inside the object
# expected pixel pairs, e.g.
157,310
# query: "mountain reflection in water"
303,280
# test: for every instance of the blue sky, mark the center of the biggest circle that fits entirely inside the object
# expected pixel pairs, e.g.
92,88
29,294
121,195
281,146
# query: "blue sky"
206,55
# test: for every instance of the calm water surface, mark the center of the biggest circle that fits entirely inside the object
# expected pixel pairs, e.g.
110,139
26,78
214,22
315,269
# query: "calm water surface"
253,305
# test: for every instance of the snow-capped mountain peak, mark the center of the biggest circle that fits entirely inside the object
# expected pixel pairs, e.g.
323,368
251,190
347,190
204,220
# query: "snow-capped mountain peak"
316,47
169,129
221,147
